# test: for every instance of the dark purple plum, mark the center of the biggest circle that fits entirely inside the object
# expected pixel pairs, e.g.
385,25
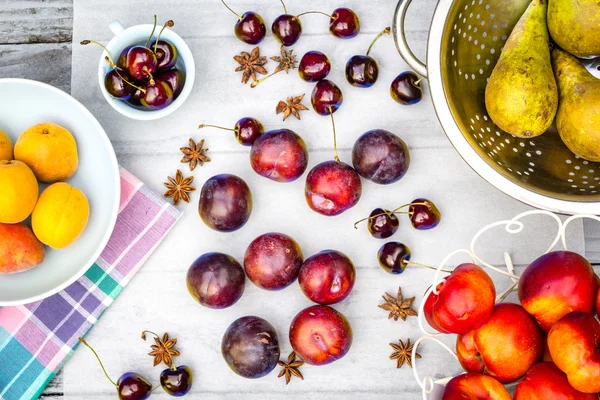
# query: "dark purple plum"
176,80
393,257
166,55
279,155
327,277
116,86
178,381
250,347
216,280
326,97
225,203
314,66
424,214
406,88
381,157
344,23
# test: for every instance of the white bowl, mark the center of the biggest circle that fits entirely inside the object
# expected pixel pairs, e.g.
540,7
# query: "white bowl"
24,103
138,35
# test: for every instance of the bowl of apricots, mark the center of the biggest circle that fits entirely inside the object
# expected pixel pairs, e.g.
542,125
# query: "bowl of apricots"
59,190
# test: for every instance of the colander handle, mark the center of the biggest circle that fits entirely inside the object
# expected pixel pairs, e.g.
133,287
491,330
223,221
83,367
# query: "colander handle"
400,39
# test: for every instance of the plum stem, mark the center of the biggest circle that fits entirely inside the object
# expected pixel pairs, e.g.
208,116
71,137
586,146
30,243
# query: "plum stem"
255,83
168,24
335,153
425,266
386,31
113,66
151,33
314,12
214,126
82,340
229,8
284,7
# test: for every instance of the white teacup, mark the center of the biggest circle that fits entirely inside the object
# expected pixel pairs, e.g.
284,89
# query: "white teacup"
138,35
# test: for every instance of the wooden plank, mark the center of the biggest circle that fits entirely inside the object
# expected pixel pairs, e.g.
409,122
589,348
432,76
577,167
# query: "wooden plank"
54,390
36,21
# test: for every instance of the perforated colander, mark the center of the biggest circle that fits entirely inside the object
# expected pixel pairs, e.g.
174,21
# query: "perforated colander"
465,41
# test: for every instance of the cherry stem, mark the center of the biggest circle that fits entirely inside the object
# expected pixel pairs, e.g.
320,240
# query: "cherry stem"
386,31
151,33
147,72
389,213
82,340
113,66
425,266
168,24
335,153
314,12
256,83
229,8
418,81
86,42
214,126
284,7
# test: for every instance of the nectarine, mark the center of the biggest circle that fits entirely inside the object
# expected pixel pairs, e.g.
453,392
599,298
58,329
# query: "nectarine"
20,250
545,381
472,386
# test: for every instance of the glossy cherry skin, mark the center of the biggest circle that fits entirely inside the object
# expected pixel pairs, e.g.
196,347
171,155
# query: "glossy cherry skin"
158,95
382,224
133,386
216,280
136,98
247,130
177,382
279,155
327,277
393,257
141,62
250,28
320,335
122,61
273,260
116,86
176,80
406,88
287,29
166,55
344,23
332,187
362,71
250,347
326,97
381,157
424,214
314,66
225,203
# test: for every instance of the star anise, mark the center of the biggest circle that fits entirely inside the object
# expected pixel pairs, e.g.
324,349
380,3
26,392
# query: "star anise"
291,106
398,307
286,62
251,64
403,353
162,350
179,188
194,154
290,368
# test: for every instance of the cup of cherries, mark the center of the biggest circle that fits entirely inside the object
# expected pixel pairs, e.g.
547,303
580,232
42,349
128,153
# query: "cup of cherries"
145,73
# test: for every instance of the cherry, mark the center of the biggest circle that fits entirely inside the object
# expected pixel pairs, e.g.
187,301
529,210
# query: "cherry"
326,97
381,223
381,157
287,29
250,27
344,23
424,214
175,78
246,130
363,71
122,61
166,55
116,86
393,257
136,97
327,277
159,94
279,155
314,66
178,381
332,187
130,386
141,62
225,203
406,88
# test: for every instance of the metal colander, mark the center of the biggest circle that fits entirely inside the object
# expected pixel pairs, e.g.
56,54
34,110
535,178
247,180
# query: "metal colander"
465,41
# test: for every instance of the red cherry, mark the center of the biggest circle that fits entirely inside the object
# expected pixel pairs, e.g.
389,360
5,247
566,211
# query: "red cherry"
326,97
250,27
314,66
246,130
344,23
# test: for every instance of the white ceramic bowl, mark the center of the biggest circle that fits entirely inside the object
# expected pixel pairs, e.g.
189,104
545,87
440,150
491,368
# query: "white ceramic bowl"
24,103
138,35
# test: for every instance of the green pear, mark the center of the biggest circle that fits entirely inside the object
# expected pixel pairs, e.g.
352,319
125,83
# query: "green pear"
521,95
575,26
578,119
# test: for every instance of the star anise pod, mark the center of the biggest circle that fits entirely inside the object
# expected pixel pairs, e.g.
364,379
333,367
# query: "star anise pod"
290,368
286,62
251,64
194,154
162,350
398,307
291,106
179,188
403,353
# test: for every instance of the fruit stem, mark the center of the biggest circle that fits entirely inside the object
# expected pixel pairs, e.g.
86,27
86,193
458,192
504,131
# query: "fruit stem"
113,66
151,33
229,8
417,82
388,213
335,153
255,83
425,266
86,42
314,12
82,340
169,24
147,72
386,31
284,7
214,126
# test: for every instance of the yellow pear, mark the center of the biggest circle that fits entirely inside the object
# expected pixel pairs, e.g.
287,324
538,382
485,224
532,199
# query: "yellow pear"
575,26
578,119
522,96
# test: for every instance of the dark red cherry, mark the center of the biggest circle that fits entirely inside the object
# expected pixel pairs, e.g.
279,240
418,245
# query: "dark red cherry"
382,223
287,29
326,97
344,23
381,157
141,62
246,130
406,88
225,203
116,86
178,381
122,61
166,55
363,71
424,214
393,257
175,78
314,66
159,95
279,155
250,28
136,98
133,386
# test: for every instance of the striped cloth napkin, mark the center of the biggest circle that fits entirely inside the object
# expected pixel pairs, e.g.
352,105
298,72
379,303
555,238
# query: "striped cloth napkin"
37,339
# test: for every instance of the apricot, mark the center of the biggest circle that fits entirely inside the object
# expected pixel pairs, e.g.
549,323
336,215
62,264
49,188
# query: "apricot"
50,151
18,191
20,250
60,216
6,146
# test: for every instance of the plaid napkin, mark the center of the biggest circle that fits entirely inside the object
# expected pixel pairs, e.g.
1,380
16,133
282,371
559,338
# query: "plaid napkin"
37,339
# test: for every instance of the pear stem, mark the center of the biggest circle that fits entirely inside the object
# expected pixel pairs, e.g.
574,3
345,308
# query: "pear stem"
169,24
335,153
151,33
386,31
229,8
314,12
425,266
256,83
214,126
82,340
284,7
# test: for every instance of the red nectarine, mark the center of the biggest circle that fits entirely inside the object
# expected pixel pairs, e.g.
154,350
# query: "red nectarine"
545,381
473,386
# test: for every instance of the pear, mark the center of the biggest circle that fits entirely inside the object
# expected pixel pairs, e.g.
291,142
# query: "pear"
578,119
521,95
575,26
